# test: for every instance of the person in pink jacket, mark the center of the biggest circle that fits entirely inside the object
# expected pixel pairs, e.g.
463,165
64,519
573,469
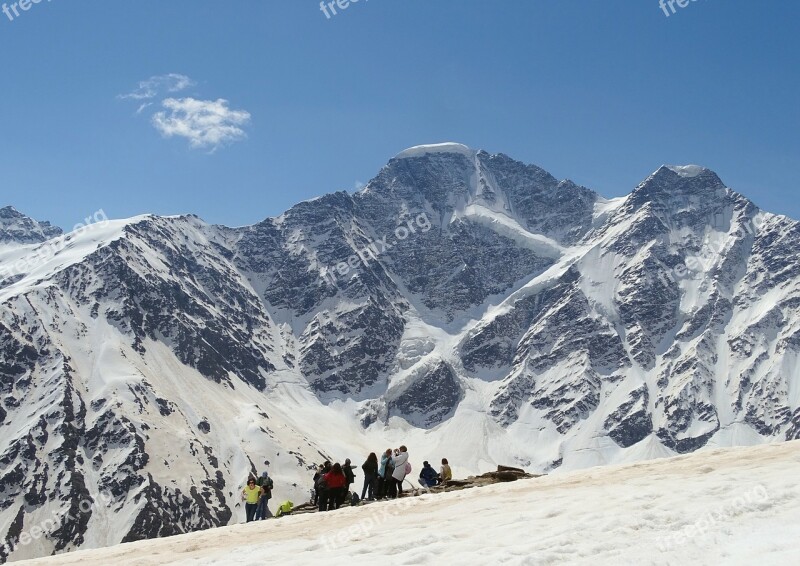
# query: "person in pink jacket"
399,474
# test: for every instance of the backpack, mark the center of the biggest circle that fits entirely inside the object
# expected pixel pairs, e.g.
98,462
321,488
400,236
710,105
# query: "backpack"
354,499
267,485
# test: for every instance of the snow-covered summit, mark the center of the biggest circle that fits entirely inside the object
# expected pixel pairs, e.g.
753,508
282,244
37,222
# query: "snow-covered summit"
687,170
448,147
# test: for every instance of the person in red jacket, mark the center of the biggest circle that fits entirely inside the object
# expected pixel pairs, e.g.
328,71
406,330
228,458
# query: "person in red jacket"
336,482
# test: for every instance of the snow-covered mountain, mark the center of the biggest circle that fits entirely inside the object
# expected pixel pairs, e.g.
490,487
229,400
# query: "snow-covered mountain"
465,304
16,228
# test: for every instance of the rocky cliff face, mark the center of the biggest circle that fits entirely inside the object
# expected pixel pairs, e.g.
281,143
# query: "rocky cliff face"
462,303
16,228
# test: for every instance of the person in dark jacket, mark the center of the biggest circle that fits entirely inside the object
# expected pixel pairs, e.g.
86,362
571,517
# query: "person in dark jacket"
370,468
266,485
336,484
428,477
317,475
385,473
320,489
348,473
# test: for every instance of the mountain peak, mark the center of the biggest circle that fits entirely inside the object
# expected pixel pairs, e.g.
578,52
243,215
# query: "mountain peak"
687,171
9,212
17,228
678,183
685,174
447,147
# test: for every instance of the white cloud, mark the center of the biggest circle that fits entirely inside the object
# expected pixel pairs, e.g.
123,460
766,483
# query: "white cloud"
152,87
207,124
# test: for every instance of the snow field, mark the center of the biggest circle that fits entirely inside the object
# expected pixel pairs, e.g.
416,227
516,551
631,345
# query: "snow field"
731,506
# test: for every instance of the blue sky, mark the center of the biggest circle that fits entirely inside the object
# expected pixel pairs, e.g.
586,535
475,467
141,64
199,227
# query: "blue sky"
601,92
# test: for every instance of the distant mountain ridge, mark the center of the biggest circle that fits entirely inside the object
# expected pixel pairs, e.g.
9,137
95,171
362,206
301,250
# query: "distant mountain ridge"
463,303
16,228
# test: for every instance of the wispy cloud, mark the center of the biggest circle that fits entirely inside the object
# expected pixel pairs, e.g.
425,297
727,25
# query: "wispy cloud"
159,84
207,124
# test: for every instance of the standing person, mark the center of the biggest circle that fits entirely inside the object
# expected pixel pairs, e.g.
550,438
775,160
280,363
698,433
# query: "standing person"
251,493
348,473
370,468
321,487
385,473
428,476
445,473
266,485
400,462
336,483
318,474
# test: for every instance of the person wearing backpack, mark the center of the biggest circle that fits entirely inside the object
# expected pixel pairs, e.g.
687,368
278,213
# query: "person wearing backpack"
370,468
266,485
385,473
399,474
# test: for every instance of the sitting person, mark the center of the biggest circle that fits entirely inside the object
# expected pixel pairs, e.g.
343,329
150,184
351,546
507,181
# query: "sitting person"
428,476
445,473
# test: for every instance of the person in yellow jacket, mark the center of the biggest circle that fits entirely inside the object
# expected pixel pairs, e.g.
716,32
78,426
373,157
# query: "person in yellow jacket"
445,473
251,494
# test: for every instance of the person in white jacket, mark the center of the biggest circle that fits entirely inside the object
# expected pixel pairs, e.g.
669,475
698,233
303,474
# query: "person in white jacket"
400,461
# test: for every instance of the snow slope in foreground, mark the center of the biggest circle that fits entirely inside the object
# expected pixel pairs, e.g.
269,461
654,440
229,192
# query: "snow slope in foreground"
732,506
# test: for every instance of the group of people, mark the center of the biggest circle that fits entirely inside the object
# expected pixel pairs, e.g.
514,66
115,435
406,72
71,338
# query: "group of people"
428,477
332,484
383,478
256,495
